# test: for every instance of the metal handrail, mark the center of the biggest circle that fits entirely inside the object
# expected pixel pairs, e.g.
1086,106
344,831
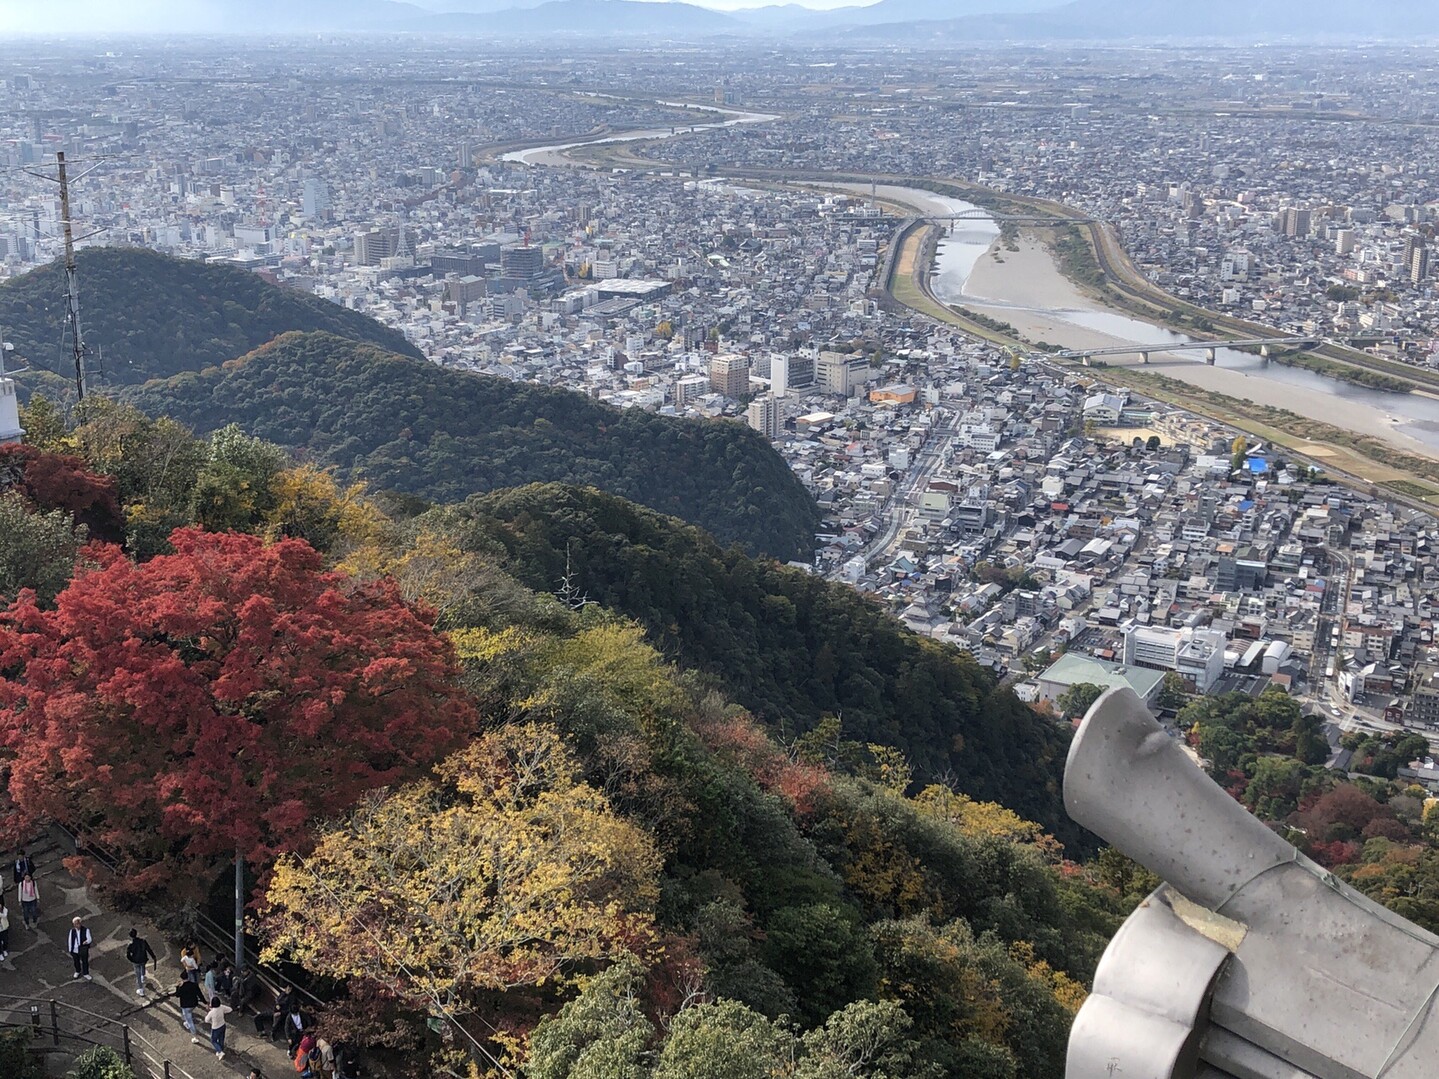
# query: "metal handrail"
136,1050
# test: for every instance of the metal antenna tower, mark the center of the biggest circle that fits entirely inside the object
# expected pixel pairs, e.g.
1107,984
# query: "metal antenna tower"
72,279
72,283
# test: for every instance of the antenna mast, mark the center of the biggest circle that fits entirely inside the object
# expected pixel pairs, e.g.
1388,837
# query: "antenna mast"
72,282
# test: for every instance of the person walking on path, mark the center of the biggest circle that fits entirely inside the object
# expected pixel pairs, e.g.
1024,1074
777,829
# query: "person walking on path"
138,951
188,995
80,941
4,931
30,901
216,1018
24,867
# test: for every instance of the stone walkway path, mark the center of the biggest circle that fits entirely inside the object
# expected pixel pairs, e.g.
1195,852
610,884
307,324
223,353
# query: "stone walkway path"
40,969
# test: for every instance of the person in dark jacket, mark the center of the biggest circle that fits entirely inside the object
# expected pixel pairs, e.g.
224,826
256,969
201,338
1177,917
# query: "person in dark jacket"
282,1009
138,951
243,990
78,945
188,994
23,864
298,1023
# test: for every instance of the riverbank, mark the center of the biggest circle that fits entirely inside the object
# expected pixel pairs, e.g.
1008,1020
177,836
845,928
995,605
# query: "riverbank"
1025,288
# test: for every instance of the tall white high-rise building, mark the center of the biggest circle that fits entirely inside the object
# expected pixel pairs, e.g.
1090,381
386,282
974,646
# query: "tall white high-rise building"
779,375
766,416
315,200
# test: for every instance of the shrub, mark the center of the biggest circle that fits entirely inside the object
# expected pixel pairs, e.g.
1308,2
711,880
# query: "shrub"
15,1057
101,1062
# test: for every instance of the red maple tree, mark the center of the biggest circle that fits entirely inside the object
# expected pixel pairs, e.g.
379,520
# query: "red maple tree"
216,700
58,481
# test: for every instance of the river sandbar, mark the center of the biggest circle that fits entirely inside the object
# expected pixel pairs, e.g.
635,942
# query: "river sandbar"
1037,297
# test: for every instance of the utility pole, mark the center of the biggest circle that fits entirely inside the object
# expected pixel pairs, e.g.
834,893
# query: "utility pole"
72,283
239,913
72,278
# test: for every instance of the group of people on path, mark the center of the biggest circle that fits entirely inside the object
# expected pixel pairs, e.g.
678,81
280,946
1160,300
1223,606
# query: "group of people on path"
210,995
28,891
206,994
311,1053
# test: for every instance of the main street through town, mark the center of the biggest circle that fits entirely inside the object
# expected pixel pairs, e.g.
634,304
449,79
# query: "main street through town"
902,505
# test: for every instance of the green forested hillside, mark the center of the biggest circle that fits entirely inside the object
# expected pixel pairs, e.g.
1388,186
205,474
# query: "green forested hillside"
444,435
634,877
791,647
147,315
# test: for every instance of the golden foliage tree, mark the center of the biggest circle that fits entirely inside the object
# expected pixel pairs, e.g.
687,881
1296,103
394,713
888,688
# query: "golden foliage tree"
504,871
430,567
975,819
309,504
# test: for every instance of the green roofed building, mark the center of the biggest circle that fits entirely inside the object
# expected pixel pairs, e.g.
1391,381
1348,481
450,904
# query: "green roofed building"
1072,670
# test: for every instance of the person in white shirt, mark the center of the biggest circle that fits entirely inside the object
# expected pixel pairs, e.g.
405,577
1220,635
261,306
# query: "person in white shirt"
216,1018
30,902
80,941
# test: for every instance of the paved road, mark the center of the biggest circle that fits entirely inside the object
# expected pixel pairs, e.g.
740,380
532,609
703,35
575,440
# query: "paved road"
901,508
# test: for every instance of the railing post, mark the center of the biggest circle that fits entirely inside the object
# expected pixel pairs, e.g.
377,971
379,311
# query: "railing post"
55,1022
126,1029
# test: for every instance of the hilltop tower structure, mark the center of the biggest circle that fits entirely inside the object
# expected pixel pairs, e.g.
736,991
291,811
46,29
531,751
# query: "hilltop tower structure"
10,429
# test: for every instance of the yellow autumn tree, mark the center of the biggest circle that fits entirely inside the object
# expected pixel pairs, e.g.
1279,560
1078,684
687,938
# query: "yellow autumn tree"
429,566
504,871
1067,992
623,708
977,819
310,504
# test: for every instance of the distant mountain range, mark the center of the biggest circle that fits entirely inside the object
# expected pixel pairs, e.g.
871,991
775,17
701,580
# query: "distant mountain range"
913,20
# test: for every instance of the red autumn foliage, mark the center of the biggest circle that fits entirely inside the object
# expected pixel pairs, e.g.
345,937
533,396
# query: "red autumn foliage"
218,699
740,739
57,481
1334,854
675,976
1343,813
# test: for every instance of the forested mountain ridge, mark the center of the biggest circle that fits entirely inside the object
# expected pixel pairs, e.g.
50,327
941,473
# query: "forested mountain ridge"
147,315
789,646
444,435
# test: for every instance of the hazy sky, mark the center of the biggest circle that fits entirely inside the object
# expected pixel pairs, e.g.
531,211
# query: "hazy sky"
732,5
111,15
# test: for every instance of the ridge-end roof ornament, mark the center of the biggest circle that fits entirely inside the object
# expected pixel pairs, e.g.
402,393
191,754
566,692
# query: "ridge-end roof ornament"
1252,961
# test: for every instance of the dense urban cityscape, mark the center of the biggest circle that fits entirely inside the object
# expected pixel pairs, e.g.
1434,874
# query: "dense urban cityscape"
1102,366
388,184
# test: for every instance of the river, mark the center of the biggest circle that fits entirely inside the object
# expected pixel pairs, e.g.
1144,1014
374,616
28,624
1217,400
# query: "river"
1025,289
555,154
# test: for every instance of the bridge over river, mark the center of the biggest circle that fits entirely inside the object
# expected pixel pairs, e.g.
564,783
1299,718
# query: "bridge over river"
1209,348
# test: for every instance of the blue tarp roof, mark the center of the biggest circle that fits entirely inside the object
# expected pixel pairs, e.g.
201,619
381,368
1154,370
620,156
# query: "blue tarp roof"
1258,465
